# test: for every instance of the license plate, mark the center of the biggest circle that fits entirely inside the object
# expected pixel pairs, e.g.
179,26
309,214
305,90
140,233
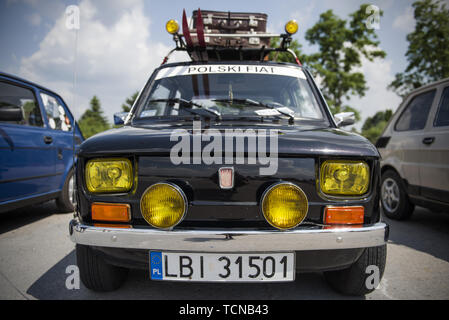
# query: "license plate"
220,267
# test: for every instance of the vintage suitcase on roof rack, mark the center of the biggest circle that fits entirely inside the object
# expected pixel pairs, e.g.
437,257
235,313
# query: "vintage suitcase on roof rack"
229,22
230,36
232,29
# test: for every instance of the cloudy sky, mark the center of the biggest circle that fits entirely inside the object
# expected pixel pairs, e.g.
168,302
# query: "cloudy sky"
120,42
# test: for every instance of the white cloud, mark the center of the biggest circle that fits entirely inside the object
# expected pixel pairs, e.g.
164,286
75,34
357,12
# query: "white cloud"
115,55
304,16
405,21
378,75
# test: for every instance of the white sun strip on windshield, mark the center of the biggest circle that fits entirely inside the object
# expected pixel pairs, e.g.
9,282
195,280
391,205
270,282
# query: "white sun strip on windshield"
230,69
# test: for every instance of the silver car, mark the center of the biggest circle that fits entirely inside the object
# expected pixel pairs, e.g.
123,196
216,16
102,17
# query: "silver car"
415,153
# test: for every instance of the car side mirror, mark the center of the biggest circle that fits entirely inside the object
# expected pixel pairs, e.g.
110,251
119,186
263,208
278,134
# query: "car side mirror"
344,119
11,113
119,118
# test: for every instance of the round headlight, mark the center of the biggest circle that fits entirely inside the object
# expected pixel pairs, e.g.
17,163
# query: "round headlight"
163,205
284,205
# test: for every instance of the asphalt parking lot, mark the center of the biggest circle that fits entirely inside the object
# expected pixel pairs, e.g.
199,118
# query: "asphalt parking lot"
35,252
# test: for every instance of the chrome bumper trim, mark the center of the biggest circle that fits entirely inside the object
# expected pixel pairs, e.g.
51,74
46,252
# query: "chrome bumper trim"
230,241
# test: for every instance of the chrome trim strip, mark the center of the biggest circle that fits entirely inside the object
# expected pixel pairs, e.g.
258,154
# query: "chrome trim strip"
230,241
34,177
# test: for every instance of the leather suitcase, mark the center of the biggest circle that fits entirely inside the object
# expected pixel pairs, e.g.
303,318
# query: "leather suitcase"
239,23
232,22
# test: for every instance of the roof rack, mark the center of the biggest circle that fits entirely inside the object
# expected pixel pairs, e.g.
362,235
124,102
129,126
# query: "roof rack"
228,36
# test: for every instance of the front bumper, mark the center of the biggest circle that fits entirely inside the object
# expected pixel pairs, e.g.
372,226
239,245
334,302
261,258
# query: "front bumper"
231,241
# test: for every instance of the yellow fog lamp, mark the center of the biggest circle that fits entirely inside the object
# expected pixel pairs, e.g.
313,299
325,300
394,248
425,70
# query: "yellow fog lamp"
172,26
113,175
344,178
163,205
291,27
284,205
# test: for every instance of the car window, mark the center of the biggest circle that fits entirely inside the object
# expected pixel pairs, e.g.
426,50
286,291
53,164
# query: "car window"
414,117
161,92
57,117
442,117
13,96
225,89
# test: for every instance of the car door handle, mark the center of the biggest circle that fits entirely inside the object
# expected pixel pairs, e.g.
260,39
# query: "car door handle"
48,139
428,140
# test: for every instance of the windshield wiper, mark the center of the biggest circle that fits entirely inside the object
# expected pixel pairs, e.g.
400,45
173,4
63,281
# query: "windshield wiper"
291,118
183,103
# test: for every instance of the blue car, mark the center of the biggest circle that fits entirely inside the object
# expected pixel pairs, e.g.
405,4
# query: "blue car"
38,141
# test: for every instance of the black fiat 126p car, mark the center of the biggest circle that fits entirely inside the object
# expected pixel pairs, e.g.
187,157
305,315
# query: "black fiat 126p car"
229,168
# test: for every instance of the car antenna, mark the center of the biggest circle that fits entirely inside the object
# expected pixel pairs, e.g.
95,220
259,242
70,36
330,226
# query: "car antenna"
75,58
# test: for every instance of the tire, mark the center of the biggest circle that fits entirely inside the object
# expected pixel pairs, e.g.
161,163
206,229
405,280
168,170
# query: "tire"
400,209
63,201
352,281
95,273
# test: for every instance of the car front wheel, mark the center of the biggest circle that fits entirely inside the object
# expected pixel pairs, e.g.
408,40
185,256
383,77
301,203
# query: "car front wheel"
395,202
360,278
66,199
95,273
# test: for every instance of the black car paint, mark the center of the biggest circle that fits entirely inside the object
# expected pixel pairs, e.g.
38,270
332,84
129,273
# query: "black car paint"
299,139
301,150
302,147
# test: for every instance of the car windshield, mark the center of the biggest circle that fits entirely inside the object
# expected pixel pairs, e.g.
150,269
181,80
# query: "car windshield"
230,90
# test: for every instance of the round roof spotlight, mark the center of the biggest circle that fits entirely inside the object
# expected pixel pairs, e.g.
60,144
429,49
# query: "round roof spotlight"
284,205
291,27
172,26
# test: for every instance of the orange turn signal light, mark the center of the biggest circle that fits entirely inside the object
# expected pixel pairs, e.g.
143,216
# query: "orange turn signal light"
344,215
117,212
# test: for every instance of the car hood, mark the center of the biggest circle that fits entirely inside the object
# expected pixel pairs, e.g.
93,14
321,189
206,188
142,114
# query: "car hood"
292,140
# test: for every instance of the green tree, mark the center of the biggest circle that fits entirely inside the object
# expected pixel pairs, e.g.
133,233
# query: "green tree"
126,107
375,125
428,50
93,120
341,46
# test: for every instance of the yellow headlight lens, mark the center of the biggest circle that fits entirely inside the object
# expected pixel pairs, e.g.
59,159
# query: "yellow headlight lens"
339,177
163,205
172,26
109,175
291,27
285,206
